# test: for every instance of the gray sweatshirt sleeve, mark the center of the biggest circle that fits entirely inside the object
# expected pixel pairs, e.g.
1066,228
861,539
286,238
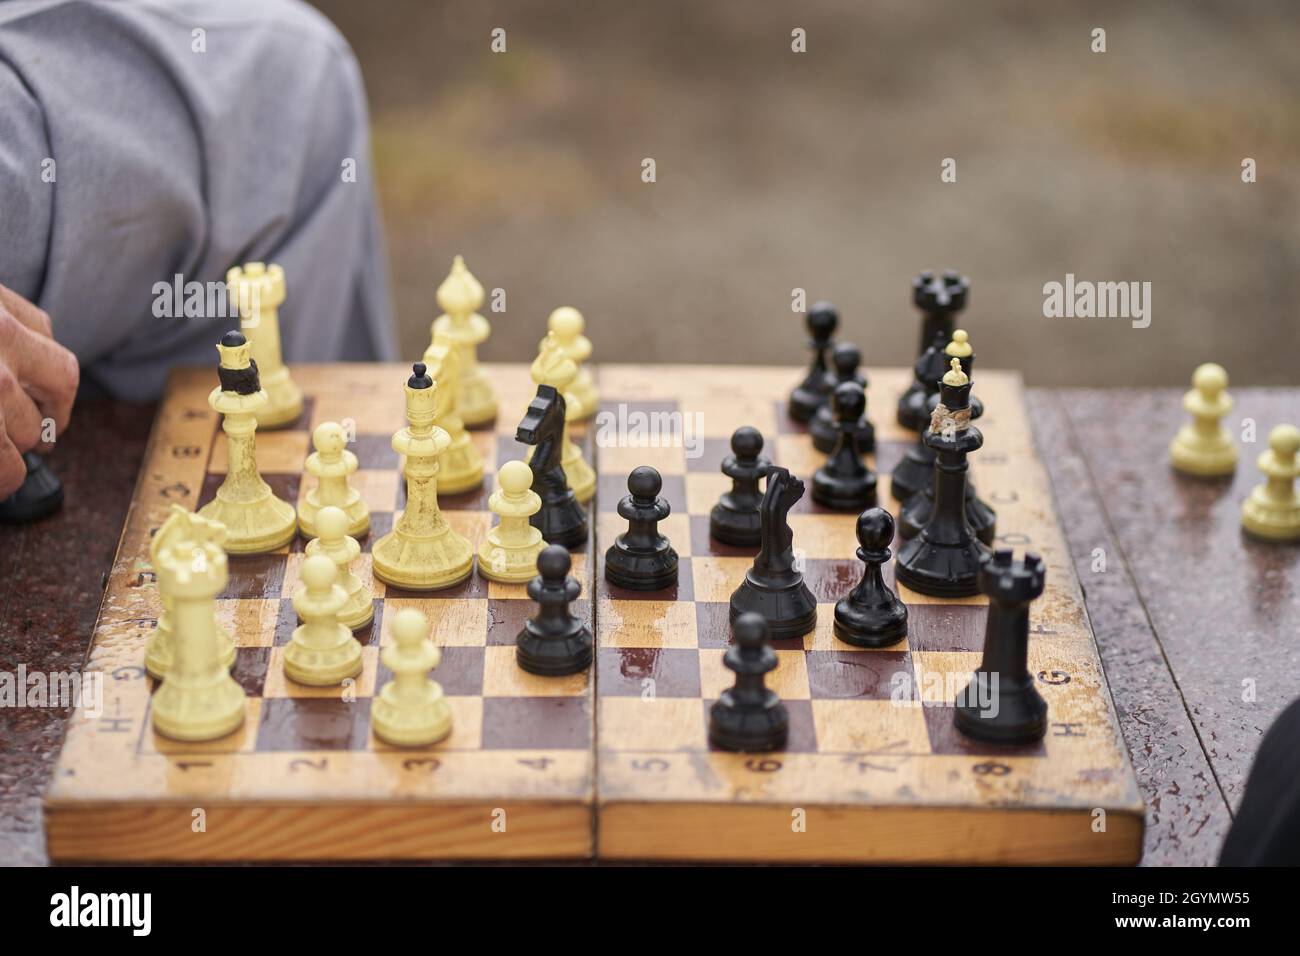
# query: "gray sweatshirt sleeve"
145,141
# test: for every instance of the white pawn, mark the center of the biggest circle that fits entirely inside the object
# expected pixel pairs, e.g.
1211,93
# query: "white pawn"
335,543
322,651
411,710
1272,511
509,551
1203,446
332,464
568,325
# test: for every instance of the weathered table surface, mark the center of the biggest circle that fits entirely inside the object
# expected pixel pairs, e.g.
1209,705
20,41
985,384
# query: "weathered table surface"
1196,624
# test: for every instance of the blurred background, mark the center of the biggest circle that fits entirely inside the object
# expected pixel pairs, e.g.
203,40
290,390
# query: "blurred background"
821,171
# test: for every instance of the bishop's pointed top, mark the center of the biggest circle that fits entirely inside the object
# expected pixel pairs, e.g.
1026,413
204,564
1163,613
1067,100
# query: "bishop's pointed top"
460,293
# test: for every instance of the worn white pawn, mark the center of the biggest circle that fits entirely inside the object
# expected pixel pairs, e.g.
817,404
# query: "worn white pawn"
1203,446
1272,512
410,710
509,551
322,651
332,464
335,543
568,325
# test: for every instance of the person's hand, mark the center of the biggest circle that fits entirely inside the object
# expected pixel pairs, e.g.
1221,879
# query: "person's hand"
38,381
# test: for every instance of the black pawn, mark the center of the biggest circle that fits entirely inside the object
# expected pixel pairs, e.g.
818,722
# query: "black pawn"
1001,703
822,321
749,717
642,559
845,483
554,642
40,494
846,359
735,520
561,518
872,615
774,588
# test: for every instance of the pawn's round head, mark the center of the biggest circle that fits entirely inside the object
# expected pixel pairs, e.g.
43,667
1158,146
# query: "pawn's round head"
410,628
875,529
846,358
515,477
822,321
554,562
746,442
1210,378
318,572
848,401
331,523
959,345
750,630
644,482
566,322
329,438
1284,440
233,339
420,376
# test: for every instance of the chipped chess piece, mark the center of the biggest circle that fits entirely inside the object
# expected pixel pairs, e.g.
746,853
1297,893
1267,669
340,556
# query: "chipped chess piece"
844,482
774,587
1001,705
554,642
940,298
198,699
642,559
340,547
943,559
411,709
824,431
256,520
422,552
872,615
568,325
181,527
821,321
509,551
460,297
735,519
1203,446
1272,511
915,470
749,717
322,651
40,494
258,289
460,466
332,464
552,367
561,519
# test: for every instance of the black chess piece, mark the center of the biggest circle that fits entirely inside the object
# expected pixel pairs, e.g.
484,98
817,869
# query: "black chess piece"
1001,703
822,320
915,470
734,520
773,587
40,494
872,615
844,482
916,510
554,642
940,298
943,559
846,359
927,371
561,519
749,716
642,559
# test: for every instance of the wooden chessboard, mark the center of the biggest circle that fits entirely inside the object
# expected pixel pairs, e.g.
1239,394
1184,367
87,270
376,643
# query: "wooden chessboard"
614,765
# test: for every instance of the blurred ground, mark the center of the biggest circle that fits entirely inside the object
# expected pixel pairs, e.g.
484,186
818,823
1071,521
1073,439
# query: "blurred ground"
821,170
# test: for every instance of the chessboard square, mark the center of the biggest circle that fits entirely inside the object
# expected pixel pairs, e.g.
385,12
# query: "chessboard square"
946,627
785,424
658,724
506,618
353,688
459,673
485,442
378,488
255,576
668,457
471,525
703,491
827,536
710,453
910,598
250,622
476,499
312,724
789,680
381,522
507,449
452,622
829,580
883,675
823,637
649,671
715,579
374,452
802,735
887,456
466,729
252,664
649,624
503,677
682,590
536,723
277,451
719,416
703,544
796,453
860,726
941,675
242,740
712,624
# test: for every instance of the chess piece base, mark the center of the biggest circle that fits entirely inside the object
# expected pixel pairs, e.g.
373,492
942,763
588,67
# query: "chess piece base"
804,403
916,512
1263,518
790,610
876,626
253,527
1193,455
552,655
460,467
407,726
158,655
508,565
640,570
1021,716
422,564
748,730
323,667
356,510
740,529
359,612
913,473
825,432
199,713
843,494
940,570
